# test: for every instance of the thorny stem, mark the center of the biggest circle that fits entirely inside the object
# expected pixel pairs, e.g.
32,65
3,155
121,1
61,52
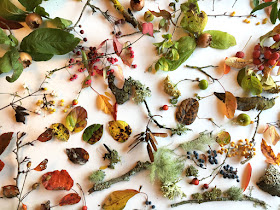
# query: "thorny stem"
140,166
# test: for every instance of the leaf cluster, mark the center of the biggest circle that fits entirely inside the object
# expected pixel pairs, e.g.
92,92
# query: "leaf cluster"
275,12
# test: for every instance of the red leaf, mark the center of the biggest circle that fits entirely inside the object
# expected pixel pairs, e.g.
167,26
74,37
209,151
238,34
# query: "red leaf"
148,28
5,139
115,111
42,166
70,199
10,191
2,164
226,68
12,24
246,177
57,180
46,136
117,46
102,43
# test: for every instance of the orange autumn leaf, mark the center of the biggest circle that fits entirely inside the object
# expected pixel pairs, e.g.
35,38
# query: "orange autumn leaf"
104,104
231,104
246,177
226,68
269,154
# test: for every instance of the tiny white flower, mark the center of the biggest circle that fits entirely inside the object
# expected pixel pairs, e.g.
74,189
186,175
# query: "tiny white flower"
25,86
38,111
54,93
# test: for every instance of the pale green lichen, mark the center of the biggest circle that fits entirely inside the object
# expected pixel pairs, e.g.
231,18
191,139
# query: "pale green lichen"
113,157
191,171
179,130
141,92
197,196
212,195
234,193
97,176
172,190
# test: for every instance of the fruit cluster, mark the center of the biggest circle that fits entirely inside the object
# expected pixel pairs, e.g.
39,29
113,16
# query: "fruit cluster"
195,157
212,157
229,172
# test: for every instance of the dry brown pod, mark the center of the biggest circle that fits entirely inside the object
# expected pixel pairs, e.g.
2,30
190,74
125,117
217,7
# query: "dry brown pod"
204,40
137,5
33,20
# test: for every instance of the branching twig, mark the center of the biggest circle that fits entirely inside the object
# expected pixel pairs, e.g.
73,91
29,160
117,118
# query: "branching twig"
204,72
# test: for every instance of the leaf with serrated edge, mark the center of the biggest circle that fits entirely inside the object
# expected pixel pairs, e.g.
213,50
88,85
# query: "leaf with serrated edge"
269,154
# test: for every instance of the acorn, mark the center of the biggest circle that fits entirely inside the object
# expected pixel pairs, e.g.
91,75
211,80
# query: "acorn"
137,5
204,40
33,20
25,59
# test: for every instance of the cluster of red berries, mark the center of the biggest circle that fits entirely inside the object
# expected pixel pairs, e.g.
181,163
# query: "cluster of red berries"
131,52
195,181
73,77
112,60
81,70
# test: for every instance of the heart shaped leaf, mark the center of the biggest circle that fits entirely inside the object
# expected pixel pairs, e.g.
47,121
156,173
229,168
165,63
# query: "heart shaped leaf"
60,131
93,133
70,199
119,130
57,180
76,120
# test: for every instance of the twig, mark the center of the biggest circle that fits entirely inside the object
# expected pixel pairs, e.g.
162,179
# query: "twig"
86,4
202,71
234,3
229,15
140,166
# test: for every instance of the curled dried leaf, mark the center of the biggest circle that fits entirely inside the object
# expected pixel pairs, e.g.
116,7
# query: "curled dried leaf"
10,191
237,63
42,166
46,135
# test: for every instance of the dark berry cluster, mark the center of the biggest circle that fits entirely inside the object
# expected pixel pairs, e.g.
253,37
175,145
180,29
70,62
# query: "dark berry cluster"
229,172
149,203
195,157
212,157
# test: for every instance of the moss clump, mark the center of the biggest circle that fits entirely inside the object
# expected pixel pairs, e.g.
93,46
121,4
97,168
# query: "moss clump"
234,193
113,157
191,171
97,176
197,196
212,195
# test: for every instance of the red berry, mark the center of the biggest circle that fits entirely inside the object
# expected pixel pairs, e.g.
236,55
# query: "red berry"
276,37
134,66
80,26
257,47
195,181
84,208
132,56
85,39
165,107
205,186
261,67
240,54
256,54
74,102
271,62
78,53
274,56
267,54
71,60
257,61
82,31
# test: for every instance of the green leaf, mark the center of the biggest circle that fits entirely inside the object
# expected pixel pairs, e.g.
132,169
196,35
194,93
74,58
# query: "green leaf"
49,41
252,84
223,138
261,6
240,76
41,56
162,64
30,4
14,41
175,55
60,23
41,11
194,22
93,133
221,40
10,12
162,23
268,83
4,39
5,63
273,13
190,5
85,60
256,3
76,120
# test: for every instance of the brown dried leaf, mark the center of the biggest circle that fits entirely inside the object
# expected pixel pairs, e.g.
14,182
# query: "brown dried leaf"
10,191
162,13
237,63
42,166
70,199
150,152
162,135
274,135
269,154
46,136
187,111
231,104
77,155
57,180
5,140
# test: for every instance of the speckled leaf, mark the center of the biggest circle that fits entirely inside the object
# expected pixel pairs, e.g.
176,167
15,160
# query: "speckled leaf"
221,40
46,136
76,120
57,180
119,130
70,199
269,154
93,133
194,22
10,191
42,166
60,131
117,200
5,139
223,138
77,155
231,104
2,164
187,111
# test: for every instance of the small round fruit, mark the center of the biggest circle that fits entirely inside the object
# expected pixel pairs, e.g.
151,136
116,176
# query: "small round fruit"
271,62
276,37
244,119
257,47
274,56
257,61
25,59
84,208
165,107
74,102
205,186
137,5
195,181
267,54
204,40
148,16
256,54
240,54
33,20
203,84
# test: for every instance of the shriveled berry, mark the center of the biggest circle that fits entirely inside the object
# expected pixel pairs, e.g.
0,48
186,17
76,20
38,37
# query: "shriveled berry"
165,107
240,54
276,37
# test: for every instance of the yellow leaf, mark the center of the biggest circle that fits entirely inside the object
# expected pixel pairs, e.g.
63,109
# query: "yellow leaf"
108,95
119,130
104,104
231,104
60,131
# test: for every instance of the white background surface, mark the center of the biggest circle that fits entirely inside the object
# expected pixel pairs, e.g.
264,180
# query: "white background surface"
96,30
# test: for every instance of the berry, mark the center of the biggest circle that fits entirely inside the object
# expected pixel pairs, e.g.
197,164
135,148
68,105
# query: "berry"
134,66
85,39
165,107
276,37
82,31
271,62
274,56
222,172
78,53
74,102
188,157
237,180
148,16
256,54
211,161
188,152
261,67
201,165
195,181
240,54
71,60
84,208
267,54
243,119
80,26
24,207
257,61
215,161
203,84
149,202
209,151
205,186
153,206
257,47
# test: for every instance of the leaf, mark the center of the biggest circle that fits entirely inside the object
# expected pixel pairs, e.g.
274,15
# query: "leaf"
46,135
10,12
238,63
104,104
261,6
60,131
226,67
2,164
119,73
57,180
252,84
76,120
273,14
85,59
240,76
5,140
41,11
14,41
126,57
269,154
49,41
40,56
221,40
10,23
42,166
231,104
249,103
274,136
118,199
246,177
187,111
70,199
10,191
77,155
87,82
256,3
4,39
194,22
119,130
93,133
223,138
148,28
30,4
117,46
60,23
162,13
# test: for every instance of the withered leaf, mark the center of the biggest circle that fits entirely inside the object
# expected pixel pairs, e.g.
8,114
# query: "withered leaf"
187,111
46,206
70,199
237,63
60,131
93,133
46,135
77,155
231,104
104,104
117,46
274,135
117,200
162,13
20,114
9,24
57,180
126,57
162,135
5,139
269,154
248,103
2,164
223,138
10,191
42,166
76,120
246,177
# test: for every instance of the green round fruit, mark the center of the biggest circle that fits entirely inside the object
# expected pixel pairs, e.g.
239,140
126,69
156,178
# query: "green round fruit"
203,84
243,119
148,16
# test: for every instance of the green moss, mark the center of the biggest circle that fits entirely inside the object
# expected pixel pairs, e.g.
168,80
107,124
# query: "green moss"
97,176
171,191
197,196
212,195
113,157
191,171
234,193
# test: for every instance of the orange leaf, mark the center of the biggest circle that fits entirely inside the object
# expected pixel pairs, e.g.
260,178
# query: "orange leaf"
273,135
246,177
226,68
42,166
104,104
269,154
70,199
231,104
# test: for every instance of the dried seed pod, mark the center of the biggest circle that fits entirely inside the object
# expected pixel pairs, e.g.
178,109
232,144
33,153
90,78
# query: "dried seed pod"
204,40
187,111
33,20
137,5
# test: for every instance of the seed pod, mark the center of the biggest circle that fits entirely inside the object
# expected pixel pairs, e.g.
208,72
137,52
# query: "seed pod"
137,5
204,40
28,164
33,20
